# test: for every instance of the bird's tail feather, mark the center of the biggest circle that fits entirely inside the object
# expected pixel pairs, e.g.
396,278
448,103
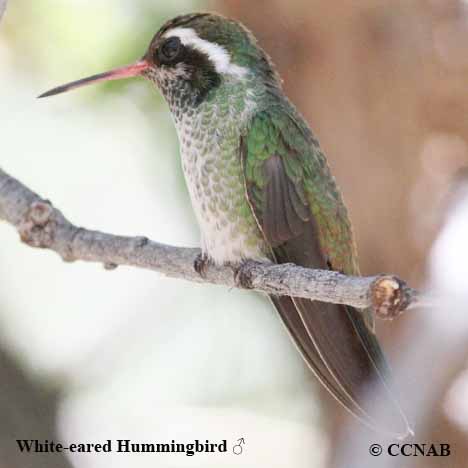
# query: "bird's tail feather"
346,357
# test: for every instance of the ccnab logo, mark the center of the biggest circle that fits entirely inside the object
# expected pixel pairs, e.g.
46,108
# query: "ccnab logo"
419,450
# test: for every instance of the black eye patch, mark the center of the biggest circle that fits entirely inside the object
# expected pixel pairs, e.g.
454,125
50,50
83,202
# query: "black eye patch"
199,72
170,51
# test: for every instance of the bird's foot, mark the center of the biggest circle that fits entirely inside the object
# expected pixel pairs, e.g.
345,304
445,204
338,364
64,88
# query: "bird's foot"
243,276
201,264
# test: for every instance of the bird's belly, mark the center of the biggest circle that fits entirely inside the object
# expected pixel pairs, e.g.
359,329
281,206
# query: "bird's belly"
228,228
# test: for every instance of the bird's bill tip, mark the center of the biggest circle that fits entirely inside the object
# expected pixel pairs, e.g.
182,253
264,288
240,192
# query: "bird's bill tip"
128,71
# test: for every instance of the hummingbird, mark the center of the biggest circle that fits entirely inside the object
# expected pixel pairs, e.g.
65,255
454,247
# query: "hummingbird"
261,189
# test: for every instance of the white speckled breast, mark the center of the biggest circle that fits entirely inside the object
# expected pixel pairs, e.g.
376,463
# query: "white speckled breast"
210,140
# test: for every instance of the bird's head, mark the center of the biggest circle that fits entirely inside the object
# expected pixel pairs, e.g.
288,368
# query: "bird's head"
192,55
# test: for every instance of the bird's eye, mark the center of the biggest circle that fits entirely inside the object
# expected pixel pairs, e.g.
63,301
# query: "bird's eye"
170,50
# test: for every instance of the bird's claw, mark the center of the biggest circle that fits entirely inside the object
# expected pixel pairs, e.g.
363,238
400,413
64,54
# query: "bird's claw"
243,276
201,264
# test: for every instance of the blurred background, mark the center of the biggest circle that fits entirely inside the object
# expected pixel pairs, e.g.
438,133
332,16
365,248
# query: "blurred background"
89,355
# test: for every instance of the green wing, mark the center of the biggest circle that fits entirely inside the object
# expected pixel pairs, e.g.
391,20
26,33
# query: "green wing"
289,183
302,216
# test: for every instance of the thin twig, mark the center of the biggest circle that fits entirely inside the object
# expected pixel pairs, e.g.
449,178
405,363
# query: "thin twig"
41,225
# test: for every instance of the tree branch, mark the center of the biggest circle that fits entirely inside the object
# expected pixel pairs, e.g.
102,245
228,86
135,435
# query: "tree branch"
41,225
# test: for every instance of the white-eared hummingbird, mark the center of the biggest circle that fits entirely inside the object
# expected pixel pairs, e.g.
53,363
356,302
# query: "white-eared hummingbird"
261,189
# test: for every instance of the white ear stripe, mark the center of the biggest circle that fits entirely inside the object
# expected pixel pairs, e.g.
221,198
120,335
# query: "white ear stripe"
216,53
